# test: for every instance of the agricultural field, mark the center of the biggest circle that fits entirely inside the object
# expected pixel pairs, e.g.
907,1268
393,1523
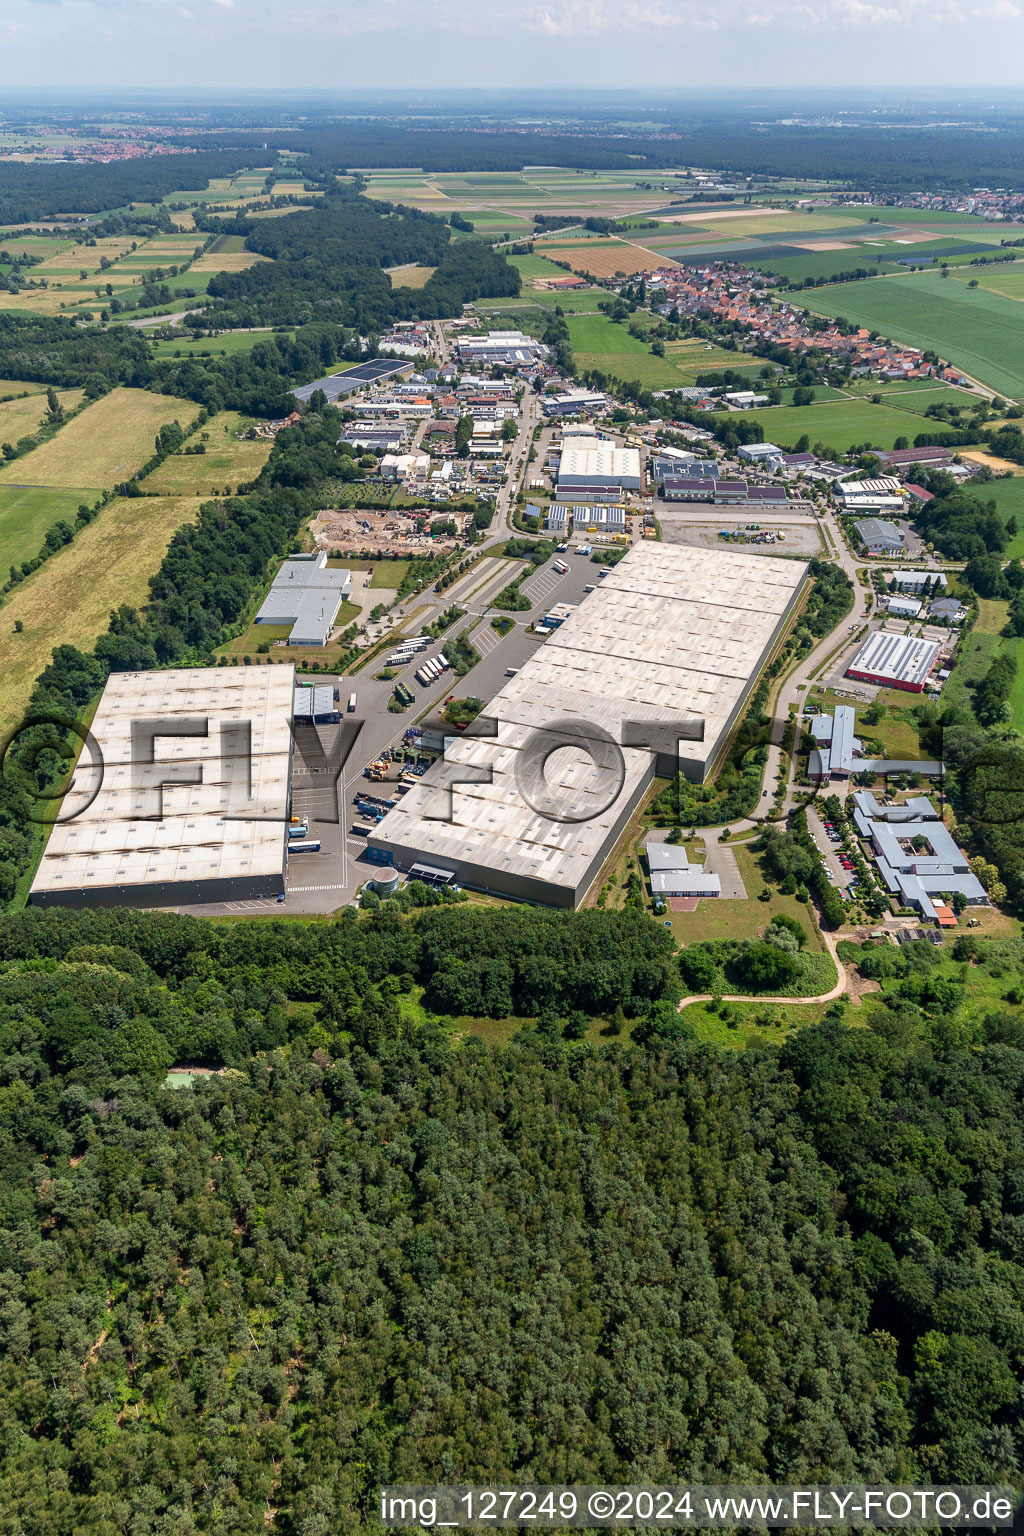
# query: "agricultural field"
1007,280
27,512
9,387
106,443
220,260
839,426
604,258
411,276
69,599
226,462
18,418
980,331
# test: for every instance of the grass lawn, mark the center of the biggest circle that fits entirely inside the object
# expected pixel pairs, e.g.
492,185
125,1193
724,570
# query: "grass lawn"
108,442
27,512
69,599
226,462
20,417
981,332
255,635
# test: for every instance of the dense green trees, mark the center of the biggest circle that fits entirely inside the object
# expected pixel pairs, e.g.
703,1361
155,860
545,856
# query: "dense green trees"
370,1253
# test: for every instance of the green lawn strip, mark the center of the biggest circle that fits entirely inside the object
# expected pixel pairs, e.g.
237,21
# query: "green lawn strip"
28,511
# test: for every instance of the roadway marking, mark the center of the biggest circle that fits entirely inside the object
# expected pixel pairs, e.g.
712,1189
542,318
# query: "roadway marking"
302,890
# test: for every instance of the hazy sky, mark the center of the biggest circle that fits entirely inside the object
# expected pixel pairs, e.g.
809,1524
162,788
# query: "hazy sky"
345,43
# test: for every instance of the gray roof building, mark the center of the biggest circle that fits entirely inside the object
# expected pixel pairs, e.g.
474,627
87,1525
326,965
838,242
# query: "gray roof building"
306,595
672,874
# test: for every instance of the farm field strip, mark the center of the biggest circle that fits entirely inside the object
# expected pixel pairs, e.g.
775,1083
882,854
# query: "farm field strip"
28,512
981,332
69,599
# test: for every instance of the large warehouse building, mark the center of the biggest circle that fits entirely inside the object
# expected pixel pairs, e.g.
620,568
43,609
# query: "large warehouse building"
195,809
667,647
603,465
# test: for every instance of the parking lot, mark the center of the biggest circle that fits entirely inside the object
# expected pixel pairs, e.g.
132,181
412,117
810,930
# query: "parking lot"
324,794
829,849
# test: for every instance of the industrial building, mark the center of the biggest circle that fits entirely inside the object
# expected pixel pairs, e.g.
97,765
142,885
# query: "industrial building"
192,809
335,385
837,751
665,650
509,348
919,879
306,595
672,874
761,453
917,581
573,403
880,537
603,465
895,661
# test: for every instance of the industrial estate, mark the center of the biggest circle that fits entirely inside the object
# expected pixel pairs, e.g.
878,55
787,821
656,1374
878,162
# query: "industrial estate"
511,831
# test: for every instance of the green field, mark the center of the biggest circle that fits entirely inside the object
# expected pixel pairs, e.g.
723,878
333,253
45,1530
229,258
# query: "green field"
839,427
1007,280
981,332
26,512
1008,496
227,344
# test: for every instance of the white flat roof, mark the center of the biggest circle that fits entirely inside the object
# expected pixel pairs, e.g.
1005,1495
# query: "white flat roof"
230,825
597,463
672,633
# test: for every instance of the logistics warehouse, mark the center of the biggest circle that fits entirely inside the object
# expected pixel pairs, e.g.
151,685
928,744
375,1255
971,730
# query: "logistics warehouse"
666,650
193,798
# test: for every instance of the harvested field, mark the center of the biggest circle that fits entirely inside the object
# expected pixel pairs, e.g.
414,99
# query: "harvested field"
410,276
20,417
107,443
600,260
21,387
226,261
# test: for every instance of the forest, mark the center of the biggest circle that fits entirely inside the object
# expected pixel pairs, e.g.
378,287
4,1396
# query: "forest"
375,1249
327,265
30,191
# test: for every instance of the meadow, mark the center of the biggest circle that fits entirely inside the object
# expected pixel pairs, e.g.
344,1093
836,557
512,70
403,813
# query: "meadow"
69,599
18,418
227,344
226,462
26,514
1008,496
980,331
103,445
